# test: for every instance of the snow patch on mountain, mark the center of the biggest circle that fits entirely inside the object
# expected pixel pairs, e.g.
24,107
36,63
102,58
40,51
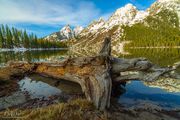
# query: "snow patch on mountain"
65,33
77,30
122,16
97,25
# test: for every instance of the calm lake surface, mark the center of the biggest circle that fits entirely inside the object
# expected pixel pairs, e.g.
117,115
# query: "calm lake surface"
31,56
162,93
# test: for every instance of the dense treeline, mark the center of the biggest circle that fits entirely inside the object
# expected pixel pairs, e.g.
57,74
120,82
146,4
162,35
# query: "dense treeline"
159,30
14,38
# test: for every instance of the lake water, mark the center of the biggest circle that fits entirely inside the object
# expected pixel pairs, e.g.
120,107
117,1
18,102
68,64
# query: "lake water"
162,93
40,88
31,56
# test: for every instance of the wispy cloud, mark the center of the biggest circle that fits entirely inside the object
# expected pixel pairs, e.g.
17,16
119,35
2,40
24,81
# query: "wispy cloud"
58,12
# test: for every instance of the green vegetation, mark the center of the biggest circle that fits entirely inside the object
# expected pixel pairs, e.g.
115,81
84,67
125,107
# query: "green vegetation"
163,57
158,30
78,109
14,38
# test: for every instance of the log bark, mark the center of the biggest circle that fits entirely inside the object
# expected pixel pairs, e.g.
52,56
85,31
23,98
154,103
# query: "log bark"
96,74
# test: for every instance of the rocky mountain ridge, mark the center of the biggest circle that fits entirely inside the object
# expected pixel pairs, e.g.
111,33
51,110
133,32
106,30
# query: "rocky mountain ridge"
66,33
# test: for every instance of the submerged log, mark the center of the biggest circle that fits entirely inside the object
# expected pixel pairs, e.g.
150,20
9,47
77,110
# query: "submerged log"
96,74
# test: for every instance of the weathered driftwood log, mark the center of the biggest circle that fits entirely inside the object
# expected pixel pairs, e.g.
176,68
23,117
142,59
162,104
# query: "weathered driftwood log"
92,73
96,74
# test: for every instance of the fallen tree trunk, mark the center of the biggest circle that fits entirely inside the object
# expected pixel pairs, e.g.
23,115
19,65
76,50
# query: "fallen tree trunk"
93,74
96,74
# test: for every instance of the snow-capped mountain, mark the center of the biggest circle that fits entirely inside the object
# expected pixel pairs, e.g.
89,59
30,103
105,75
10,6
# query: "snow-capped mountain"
90,39
65,33
122,16
92,36
127,15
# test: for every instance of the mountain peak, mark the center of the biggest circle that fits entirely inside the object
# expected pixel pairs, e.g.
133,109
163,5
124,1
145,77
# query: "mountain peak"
67,31
122,16
130,6
66,28
127,8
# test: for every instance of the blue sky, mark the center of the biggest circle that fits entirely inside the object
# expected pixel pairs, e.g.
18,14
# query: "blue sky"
43,17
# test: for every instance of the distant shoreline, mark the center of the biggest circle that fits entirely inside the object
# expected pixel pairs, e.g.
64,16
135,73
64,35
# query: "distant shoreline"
29,49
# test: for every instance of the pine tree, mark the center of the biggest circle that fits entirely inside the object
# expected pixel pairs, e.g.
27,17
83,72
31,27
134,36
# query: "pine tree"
1,39
9,38
26,40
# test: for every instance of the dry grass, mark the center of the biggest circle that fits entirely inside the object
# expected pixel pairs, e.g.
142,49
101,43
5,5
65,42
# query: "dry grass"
78,109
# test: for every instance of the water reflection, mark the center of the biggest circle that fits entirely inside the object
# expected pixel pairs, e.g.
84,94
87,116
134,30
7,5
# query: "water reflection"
38,89
65,86
31,56
163,57
44,87
41,88
140,95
